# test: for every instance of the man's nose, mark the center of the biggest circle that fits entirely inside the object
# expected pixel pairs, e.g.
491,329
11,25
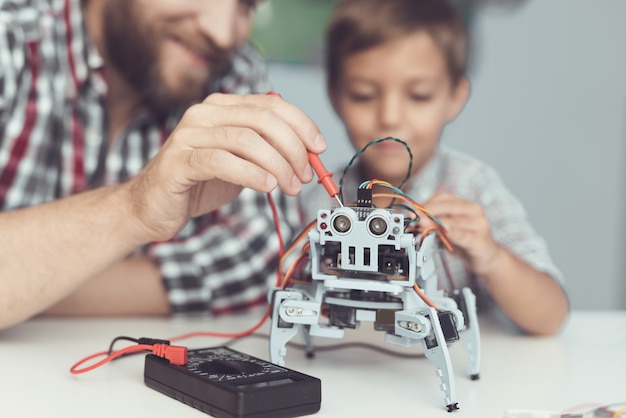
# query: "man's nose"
219,20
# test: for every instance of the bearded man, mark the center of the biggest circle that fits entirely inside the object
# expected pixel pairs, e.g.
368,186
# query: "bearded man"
137,147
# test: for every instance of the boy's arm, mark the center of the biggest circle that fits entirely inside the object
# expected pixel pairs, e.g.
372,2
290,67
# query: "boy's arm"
534,300
531,298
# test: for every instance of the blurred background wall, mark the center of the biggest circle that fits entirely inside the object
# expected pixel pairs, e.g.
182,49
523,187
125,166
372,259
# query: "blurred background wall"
548,111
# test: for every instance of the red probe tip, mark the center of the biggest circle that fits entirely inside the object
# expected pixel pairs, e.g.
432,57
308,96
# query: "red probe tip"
323,176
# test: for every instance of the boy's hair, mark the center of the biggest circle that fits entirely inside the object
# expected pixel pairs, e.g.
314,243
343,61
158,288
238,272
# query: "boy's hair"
357,25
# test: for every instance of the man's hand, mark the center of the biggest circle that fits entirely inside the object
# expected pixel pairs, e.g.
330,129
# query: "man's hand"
220,146
467,228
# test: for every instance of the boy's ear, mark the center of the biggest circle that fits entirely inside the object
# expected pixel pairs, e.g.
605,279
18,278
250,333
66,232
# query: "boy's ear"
460,94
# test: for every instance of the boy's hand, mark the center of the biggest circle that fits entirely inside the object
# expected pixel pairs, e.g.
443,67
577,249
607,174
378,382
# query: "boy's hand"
467,228
220,146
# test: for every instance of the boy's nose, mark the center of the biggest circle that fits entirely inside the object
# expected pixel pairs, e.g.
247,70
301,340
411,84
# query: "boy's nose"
221,20
390,111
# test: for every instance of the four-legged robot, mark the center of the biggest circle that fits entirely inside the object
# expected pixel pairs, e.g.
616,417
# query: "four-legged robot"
365,266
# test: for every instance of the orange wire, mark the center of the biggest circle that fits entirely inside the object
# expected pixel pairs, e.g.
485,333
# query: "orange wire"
413,203
431,224
225,334
292,247
291,269
440,234
423,296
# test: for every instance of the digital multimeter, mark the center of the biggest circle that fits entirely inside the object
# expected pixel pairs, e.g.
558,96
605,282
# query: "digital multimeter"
226,383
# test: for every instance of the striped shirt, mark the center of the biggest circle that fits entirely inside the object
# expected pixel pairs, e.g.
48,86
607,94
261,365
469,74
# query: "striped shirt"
53,131
468,178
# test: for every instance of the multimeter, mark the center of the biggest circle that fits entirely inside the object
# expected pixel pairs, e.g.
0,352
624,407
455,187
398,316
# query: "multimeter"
226,383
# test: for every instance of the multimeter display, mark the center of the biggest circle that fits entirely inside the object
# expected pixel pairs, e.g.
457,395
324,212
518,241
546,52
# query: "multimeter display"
226,383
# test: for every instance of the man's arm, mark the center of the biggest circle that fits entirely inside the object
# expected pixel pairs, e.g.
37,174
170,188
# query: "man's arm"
131,287
48,251
220,146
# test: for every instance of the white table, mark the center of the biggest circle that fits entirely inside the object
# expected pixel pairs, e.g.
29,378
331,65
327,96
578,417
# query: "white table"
586,363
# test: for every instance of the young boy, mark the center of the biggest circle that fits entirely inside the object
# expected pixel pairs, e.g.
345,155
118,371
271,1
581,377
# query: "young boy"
397,68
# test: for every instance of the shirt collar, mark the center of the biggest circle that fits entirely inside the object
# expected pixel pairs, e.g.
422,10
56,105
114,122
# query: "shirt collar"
87,59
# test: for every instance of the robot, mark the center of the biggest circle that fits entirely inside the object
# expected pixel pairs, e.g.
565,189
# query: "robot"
372,264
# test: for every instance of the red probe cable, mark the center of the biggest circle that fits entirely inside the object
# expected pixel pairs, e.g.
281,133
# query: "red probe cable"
324,177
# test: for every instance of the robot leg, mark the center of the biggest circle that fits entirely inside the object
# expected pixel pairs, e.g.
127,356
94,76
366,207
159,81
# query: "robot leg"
471,333
281,332
436,350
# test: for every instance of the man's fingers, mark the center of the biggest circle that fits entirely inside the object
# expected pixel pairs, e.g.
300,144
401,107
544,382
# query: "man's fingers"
231,154
209,164
282,124
267,124
299,122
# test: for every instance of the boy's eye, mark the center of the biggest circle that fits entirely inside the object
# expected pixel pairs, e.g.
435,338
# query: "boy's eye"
360,97
420,97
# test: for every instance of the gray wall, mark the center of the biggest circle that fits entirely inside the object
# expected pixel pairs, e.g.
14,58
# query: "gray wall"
548,111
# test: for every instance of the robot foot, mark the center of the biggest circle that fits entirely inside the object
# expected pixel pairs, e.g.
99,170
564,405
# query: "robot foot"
453,407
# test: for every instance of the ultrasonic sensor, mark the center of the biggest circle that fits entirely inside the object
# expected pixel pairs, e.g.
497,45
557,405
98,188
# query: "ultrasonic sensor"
342,224
377,226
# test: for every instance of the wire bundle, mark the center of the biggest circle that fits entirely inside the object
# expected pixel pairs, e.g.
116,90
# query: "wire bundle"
420,222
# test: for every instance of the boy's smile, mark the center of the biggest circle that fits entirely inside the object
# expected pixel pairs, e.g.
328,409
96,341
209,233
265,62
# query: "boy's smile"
401,88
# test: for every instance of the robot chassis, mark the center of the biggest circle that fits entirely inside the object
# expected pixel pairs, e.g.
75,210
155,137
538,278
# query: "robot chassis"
364,266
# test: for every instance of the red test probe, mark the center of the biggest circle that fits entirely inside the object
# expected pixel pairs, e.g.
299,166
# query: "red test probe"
323,176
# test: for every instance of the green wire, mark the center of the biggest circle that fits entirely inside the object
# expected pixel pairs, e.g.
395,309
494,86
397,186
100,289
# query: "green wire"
362,150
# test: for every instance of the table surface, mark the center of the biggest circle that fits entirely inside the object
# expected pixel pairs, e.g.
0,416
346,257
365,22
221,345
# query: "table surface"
584,364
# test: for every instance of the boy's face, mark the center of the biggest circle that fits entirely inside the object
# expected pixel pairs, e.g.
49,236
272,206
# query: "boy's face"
169,50
402,89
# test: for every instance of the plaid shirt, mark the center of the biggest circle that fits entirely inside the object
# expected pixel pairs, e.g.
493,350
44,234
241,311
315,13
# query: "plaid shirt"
466,177
53,144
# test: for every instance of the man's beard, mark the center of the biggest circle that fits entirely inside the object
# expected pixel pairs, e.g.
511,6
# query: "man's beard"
132,46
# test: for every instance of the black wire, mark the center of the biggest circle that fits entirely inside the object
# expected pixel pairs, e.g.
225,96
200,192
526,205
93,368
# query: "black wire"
142,340
116,339
407,208
446,270
359,152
